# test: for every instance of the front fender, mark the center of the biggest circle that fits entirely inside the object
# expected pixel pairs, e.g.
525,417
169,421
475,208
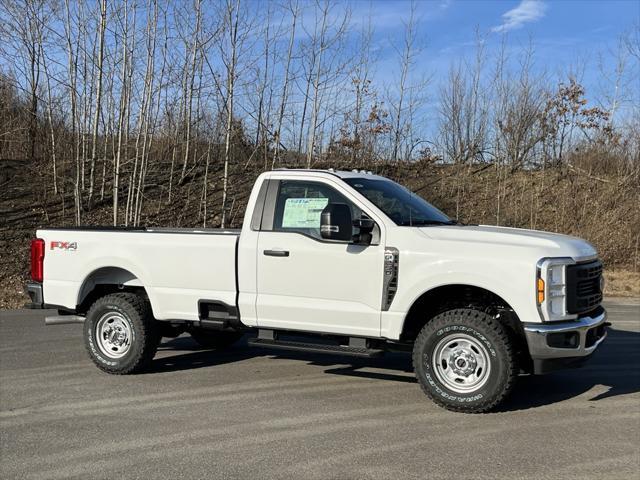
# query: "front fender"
514,284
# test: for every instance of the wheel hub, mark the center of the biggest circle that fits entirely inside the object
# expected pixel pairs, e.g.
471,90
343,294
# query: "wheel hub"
461,363
114,335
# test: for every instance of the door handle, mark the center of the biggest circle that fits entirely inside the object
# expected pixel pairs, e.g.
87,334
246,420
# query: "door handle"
276,253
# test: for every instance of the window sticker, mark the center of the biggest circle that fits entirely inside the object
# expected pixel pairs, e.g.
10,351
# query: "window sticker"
303,212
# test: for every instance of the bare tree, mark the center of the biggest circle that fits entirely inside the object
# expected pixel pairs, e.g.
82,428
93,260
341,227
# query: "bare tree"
52,132
294,8
126,74
362,83
519,105
324,45
145,116
72,72
190,76
21,34
98,100
464,111
407,54
232,18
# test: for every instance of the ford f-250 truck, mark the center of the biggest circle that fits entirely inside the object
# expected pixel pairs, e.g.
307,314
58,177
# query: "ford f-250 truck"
337,262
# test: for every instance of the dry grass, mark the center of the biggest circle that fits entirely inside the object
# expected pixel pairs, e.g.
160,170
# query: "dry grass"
622,283
12,292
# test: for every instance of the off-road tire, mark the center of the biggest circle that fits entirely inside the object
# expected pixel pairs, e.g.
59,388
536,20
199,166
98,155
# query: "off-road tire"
144,336
487,332
214,340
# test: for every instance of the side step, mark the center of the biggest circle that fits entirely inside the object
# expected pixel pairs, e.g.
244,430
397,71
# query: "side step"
357,346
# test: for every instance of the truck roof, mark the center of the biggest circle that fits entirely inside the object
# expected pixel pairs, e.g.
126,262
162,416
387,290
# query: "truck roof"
338,173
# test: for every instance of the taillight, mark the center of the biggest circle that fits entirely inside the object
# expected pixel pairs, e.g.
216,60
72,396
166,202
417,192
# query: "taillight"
37,259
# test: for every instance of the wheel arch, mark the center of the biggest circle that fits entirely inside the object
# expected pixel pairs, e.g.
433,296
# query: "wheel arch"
445,297
105,280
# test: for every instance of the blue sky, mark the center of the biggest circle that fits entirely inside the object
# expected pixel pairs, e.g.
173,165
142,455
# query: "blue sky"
563,32
449,24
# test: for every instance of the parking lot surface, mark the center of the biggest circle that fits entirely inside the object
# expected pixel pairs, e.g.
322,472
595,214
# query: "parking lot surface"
254,414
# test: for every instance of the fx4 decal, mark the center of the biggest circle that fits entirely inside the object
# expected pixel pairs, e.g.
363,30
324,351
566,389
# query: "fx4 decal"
68,246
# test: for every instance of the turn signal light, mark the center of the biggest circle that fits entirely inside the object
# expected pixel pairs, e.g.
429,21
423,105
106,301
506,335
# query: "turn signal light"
540,290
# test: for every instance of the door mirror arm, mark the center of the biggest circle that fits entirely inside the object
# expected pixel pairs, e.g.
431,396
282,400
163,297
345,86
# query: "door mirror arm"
365,226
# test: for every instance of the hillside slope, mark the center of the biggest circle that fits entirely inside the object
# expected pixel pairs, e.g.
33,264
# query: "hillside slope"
603,210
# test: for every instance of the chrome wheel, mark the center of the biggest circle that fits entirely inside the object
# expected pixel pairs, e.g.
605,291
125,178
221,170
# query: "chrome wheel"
461,363
114,335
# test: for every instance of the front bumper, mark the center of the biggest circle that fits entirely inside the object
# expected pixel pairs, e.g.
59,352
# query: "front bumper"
34,290
557,345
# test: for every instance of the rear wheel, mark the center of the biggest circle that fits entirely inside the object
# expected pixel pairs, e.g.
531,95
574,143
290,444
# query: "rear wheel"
120,334
211,339
465,361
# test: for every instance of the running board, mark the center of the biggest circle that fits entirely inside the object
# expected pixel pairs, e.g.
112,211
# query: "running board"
63,319
356,348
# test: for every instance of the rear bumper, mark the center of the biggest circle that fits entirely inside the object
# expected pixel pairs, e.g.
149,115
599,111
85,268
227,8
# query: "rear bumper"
558,345
34,290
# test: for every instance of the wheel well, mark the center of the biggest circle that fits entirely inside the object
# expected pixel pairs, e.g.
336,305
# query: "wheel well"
446,297
104,281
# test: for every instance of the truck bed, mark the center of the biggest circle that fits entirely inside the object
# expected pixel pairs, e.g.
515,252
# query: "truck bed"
204,231
178,267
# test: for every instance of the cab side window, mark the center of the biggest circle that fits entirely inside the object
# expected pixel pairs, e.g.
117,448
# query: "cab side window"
299,205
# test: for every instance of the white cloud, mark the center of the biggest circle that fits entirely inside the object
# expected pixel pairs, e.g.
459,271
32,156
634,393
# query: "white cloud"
527,11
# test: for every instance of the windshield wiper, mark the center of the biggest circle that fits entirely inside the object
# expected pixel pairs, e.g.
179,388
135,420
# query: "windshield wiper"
422,222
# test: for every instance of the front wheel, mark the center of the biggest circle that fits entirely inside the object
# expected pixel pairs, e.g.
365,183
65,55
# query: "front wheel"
464,361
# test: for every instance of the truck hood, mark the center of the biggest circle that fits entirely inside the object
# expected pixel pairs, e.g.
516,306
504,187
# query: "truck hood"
545,244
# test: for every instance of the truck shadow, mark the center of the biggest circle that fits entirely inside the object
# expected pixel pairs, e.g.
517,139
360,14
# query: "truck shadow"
191,356
615,368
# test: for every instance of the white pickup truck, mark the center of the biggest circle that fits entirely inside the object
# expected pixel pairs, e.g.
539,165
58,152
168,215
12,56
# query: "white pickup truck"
339,262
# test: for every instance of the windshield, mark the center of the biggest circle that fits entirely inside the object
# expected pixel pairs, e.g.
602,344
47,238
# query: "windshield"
404,207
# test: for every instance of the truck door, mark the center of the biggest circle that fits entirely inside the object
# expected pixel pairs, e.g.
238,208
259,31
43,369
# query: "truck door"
305,282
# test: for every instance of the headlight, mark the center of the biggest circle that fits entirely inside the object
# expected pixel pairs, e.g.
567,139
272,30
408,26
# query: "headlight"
551,288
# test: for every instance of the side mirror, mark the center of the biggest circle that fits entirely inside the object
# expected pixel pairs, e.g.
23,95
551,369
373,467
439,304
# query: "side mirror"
335,222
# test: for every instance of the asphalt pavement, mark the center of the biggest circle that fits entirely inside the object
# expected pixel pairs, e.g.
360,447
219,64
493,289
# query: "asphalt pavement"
258,414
